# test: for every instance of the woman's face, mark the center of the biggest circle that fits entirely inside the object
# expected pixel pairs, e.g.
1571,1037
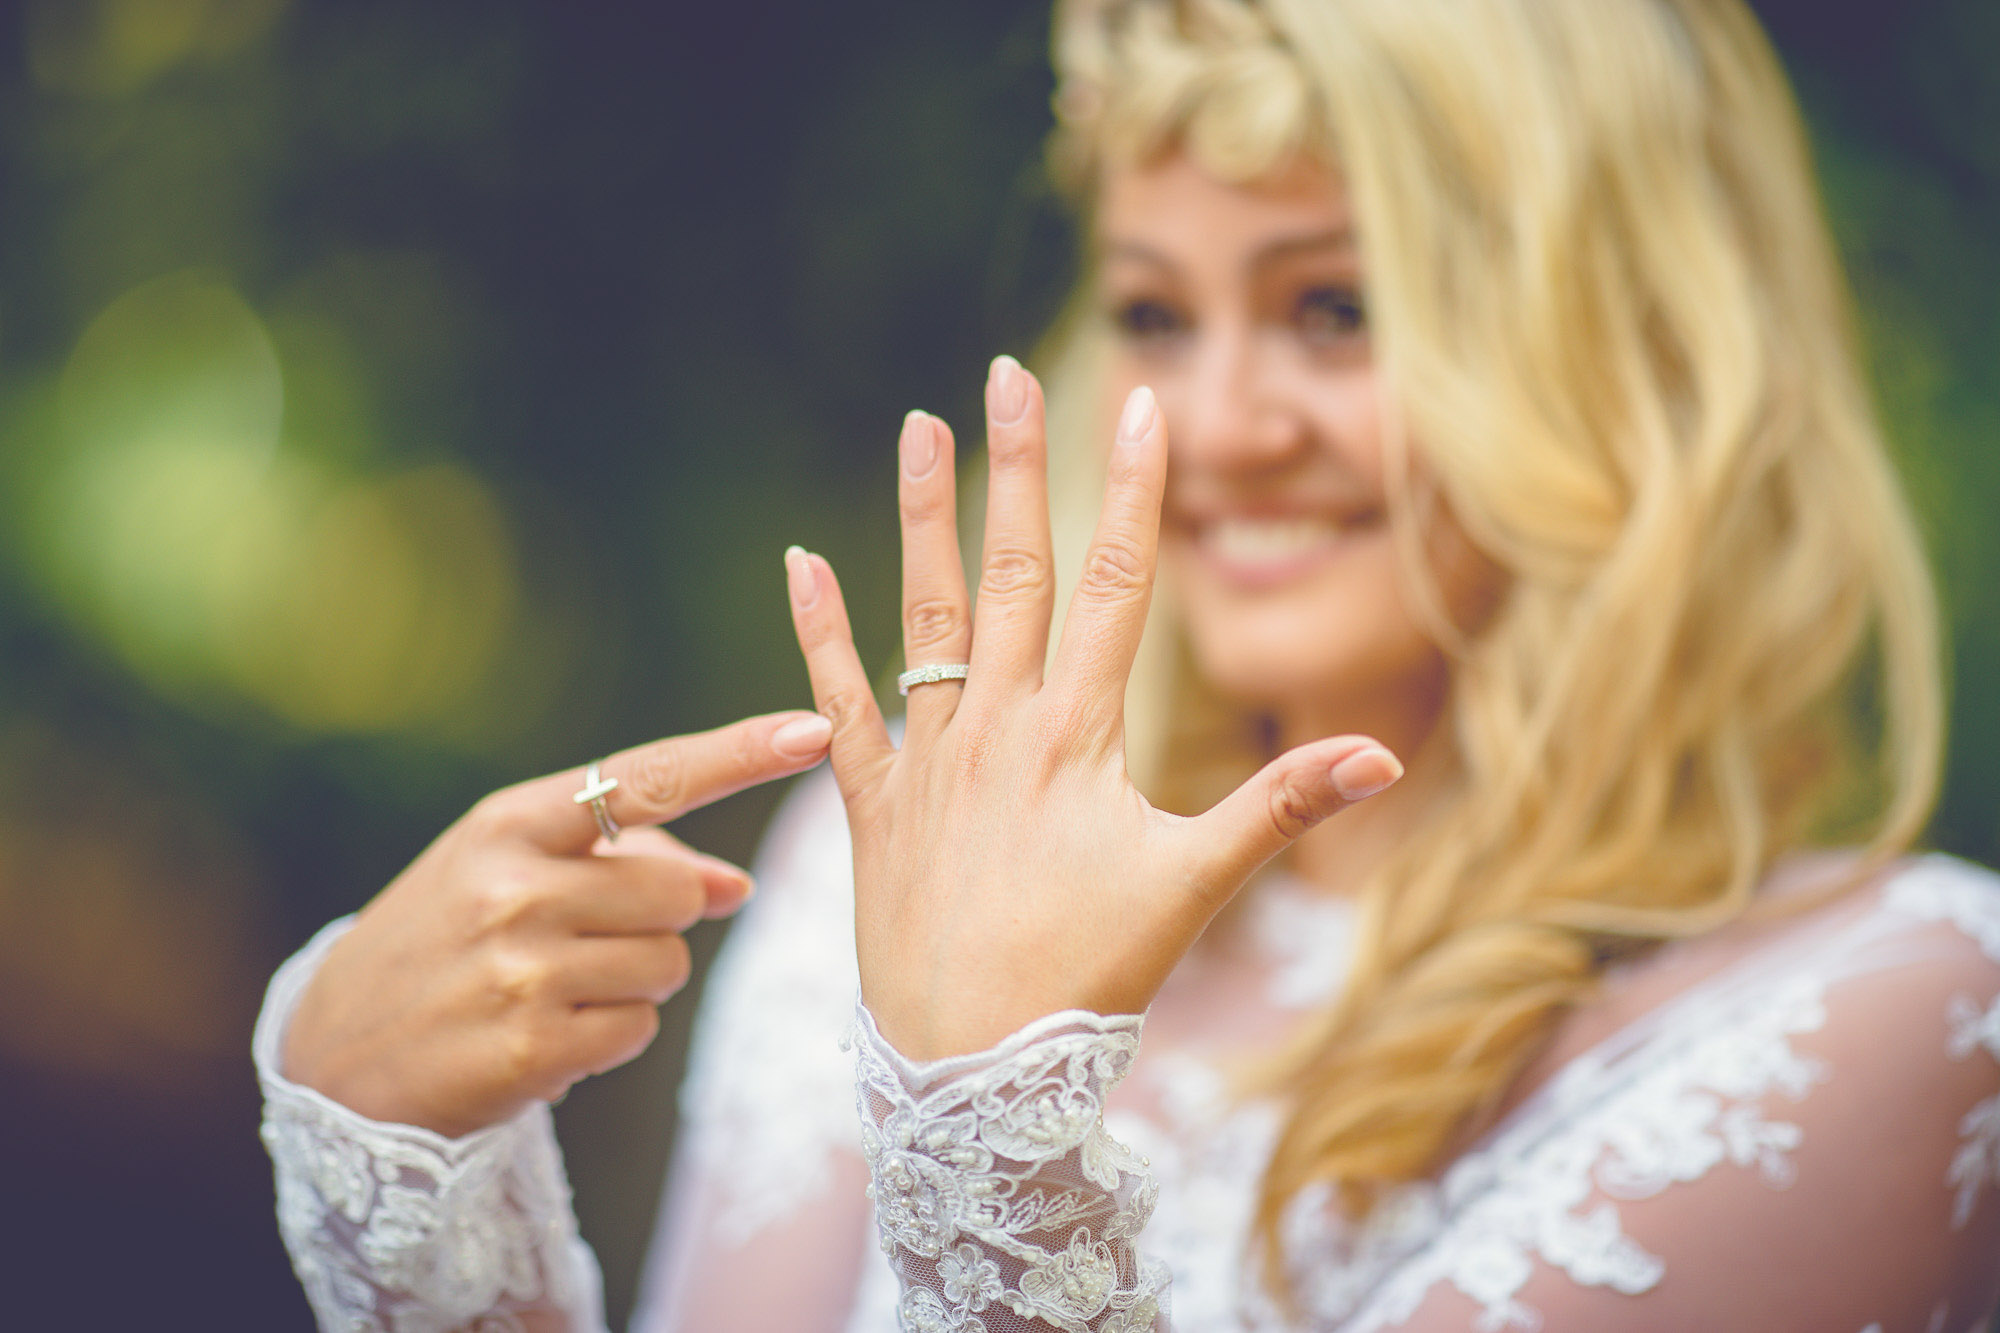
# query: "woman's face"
1242,308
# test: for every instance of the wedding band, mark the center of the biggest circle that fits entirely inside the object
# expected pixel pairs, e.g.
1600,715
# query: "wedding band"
595,788
932,674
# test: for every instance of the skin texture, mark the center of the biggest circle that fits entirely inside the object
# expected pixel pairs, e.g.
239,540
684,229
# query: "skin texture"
965,928
1243,308
521,952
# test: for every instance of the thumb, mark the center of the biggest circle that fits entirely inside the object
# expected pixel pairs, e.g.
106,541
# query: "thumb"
1286,797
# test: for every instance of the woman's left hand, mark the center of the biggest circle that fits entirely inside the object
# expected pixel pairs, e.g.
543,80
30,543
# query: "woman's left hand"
1005,866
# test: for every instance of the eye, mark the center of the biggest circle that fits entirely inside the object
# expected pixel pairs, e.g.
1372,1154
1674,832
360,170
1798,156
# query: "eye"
1146,320
1329,315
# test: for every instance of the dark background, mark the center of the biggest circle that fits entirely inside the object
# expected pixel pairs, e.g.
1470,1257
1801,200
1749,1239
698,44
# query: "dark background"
399,400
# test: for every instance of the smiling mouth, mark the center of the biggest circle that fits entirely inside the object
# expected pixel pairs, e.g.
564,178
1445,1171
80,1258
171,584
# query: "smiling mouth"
1259,552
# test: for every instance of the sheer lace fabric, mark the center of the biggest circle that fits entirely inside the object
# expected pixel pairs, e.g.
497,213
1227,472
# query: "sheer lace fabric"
1808,1138
399,1229
1001,1202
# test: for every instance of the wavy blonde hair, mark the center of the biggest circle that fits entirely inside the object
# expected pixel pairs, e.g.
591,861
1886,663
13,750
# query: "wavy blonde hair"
1605,306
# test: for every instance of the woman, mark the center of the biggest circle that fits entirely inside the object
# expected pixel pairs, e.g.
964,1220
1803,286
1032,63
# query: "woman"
1483,395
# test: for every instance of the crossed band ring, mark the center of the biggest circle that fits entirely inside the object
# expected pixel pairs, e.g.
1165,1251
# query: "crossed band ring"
932,674
595,788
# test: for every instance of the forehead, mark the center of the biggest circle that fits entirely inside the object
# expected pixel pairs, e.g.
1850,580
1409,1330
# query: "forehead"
1174,208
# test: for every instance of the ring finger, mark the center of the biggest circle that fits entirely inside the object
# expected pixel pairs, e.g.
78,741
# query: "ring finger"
937,626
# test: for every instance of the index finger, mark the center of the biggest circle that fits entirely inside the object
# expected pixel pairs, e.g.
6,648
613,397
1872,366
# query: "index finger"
665,779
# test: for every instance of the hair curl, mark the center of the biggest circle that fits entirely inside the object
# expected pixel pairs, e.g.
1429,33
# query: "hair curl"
1606,309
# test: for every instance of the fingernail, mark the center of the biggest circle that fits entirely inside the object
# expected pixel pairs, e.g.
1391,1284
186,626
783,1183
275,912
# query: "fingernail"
1138,416
1365,772
802,738
1006,391
920,445
799,576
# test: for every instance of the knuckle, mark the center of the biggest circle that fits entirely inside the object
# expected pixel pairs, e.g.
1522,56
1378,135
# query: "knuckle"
925,505
505,900
1013,446
746,753
498,814
1292,809
1115,569
520,979
932,621
1014,572
659,777
844,708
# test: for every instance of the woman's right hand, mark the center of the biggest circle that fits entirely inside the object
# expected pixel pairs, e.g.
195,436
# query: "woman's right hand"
521,952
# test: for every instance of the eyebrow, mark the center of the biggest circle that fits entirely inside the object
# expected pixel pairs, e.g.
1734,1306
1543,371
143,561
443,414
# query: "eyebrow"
1284,247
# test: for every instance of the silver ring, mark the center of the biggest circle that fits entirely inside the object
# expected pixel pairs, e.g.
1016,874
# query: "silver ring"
595,788
932,674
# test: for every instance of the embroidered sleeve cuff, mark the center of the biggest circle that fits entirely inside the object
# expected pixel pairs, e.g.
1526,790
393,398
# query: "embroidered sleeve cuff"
1000,1200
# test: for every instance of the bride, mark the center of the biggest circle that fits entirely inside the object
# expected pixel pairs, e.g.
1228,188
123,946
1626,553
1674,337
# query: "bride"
1500,832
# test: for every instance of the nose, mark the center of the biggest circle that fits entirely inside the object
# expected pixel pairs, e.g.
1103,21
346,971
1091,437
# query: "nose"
1226,408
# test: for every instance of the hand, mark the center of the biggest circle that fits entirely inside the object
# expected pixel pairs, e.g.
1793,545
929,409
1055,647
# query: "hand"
1005,866
521,952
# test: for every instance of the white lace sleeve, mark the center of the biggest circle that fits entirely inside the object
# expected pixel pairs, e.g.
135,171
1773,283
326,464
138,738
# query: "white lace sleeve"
1813,1143
396,1228
1000,1201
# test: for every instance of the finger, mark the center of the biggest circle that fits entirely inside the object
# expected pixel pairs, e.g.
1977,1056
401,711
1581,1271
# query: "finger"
937,626
1107,614
622,969
600,1037
727,886
1282,800
861,748
651,784
639,895
1010,625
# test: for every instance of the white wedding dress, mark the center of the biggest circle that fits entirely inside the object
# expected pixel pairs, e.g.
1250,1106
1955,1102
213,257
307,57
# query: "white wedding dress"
1795,1128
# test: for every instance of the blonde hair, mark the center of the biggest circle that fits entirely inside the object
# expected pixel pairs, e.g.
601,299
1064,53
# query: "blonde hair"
1606,309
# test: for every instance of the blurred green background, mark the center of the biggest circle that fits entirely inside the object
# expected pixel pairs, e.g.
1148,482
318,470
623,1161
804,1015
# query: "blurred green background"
396,401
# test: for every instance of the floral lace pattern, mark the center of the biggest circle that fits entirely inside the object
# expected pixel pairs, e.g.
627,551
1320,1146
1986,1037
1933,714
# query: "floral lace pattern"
999,1197
395,1229
1671,1098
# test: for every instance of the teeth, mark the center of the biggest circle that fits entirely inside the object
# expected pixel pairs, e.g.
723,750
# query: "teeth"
1269,540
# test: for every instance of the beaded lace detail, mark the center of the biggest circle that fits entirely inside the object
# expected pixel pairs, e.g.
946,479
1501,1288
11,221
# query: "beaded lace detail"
396,1229
1666,1102
1000,1200
995,1168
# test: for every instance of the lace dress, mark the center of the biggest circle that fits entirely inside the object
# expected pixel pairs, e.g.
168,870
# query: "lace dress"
1794,1130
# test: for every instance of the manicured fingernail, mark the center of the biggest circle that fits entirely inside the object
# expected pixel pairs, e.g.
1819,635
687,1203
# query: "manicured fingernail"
799,576
1365,772
802,738
920,445
1006,391
1137,418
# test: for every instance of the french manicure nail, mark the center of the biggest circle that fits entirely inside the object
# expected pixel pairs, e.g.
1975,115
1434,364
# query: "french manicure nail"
1137,418
802,738
799,577
1365,772
920,445
1006,391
